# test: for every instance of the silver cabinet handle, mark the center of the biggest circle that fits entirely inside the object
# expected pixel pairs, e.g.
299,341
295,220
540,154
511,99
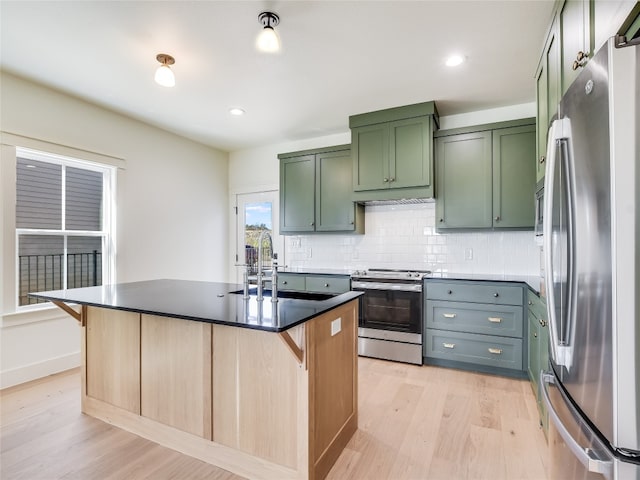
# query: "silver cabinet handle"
312,224
497,218
392,179
530,302
326,285
542,159
495,351
385,180
496,295
495,319
449,315
284,282
448,345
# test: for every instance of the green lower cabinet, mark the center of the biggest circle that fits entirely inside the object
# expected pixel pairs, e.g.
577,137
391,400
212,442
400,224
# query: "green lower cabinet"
315,192
538,356
314,283
476,325
486,178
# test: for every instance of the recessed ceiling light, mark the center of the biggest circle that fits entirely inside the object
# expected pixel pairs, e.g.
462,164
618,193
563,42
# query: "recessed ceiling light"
454,60
236,111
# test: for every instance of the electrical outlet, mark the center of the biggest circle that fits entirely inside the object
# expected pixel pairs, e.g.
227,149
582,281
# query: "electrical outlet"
468,253
336,326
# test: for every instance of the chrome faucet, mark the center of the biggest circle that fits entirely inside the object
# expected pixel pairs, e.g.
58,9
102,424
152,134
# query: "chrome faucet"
274,268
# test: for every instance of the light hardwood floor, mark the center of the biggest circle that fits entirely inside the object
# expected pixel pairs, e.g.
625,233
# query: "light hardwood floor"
414,423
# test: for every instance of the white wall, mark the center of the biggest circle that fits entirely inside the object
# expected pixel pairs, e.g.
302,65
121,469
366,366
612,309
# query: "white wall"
396,236
172,205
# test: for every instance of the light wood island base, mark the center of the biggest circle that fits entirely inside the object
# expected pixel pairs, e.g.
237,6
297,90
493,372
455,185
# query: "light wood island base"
260,404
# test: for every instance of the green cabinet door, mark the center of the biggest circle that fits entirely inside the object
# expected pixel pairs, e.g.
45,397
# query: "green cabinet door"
334,208
542,121
533,366
370,149
410,153
575,34
297,194
464,195
551,59
514,177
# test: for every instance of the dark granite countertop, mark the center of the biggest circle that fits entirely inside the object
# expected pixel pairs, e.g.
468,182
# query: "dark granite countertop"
210,302
315,271
532,281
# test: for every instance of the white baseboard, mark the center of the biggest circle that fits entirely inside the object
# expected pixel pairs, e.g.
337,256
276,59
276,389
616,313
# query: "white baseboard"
33,371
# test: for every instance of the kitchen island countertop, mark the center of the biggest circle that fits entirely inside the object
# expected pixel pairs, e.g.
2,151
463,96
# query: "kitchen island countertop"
210,302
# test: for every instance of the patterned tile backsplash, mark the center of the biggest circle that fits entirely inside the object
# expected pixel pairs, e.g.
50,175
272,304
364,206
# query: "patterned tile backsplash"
404,236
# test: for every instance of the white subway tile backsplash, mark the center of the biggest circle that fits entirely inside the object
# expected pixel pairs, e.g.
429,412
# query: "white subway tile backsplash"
404,236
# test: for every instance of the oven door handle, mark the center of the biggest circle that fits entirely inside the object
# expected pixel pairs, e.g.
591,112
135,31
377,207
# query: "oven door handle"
400,287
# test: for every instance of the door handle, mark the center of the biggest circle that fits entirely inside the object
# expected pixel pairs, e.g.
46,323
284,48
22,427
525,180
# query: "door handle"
586,456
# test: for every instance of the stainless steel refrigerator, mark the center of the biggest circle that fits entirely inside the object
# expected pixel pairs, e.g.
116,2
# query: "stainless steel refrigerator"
591,241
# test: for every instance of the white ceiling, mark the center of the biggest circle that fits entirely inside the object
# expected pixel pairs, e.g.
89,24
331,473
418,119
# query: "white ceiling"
339,58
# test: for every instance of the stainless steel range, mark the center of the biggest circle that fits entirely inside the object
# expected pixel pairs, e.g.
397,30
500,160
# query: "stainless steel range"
390,323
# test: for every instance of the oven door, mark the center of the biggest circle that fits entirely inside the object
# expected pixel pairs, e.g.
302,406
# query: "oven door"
390,306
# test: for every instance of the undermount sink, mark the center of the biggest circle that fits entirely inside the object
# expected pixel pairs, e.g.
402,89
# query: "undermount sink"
289,294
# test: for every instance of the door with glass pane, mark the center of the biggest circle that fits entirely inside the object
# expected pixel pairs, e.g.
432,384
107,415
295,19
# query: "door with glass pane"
255,213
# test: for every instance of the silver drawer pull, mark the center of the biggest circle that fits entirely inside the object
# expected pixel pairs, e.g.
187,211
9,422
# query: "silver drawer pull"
495,351
449,315
326,284
495,319
448,345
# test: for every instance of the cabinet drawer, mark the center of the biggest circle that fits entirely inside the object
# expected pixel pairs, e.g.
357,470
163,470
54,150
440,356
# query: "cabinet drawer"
329,284
505,320
480,293
477,349
291,282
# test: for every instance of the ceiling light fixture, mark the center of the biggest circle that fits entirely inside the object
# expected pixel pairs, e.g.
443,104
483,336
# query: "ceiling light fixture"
236,111
454,60
164,74
268,40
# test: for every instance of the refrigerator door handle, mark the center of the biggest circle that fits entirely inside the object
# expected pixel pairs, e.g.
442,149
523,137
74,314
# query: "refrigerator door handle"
561,352
586,456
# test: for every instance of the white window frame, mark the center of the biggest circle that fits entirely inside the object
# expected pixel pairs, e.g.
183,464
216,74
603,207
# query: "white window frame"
108,221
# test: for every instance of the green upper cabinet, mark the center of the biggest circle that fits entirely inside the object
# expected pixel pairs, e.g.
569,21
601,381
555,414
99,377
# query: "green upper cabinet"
486,178
575,37
297,194
464,196
335,211
370,145
542,121
315,192
514,177
392,152
577,30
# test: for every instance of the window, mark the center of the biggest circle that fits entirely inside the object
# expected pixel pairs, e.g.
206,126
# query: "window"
64,223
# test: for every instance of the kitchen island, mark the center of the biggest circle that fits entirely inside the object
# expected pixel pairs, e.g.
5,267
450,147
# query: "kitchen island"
264,390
